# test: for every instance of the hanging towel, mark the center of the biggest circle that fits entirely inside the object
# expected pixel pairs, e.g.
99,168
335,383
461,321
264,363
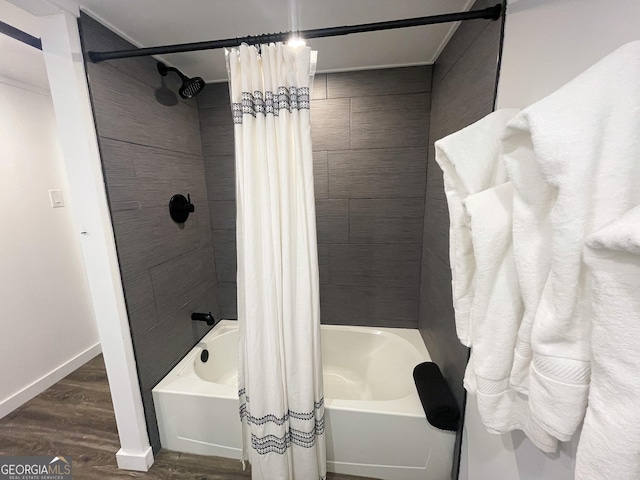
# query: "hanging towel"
496,313
468,159
532,202
485,285
610,440
573,160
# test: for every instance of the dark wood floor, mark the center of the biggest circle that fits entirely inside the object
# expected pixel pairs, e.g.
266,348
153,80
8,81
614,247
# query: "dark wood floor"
75,417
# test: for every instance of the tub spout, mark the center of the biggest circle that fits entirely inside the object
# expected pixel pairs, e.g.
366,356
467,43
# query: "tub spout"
203,317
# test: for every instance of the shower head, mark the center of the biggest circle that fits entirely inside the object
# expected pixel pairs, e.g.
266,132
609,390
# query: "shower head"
190,86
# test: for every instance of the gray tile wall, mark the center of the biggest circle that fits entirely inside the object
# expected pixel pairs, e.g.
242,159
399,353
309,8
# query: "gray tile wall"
216,126
369,132
149,153
464,78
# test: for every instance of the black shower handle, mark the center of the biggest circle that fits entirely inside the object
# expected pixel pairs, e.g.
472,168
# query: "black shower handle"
180,207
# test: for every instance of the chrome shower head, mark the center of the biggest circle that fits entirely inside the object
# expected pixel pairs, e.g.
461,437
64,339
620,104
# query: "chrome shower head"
190,86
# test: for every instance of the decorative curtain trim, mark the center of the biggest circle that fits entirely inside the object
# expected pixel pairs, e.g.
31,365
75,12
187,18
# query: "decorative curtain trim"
292,98
280,444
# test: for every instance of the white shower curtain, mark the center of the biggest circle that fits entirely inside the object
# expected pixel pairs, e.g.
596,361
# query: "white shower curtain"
280,368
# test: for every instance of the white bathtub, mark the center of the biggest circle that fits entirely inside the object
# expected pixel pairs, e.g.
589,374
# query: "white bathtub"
375,424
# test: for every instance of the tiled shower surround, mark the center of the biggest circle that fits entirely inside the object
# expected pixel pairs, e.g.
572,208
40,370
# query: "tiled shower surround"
369,131
382,217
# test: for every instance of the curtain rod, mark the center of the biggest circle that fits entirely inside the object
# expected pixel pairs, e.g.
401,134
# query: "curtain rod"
19,35
491,13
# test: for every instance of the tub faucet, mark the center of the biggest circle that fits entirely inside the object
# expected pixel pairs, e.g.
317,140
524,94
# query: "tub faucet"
204,317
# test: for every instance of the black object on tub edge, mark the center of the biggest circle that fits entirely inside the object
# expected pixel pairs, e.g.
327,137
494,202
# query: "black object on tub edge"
437,400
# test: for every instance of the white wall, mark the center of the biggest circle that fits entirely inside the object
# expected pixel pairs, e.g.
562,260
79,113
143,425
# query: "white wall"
547,43
46,317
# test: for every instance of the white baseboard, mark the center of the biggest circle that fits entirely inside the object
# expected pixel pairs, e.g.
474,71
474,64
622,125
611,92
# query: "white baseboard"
135,461
23,396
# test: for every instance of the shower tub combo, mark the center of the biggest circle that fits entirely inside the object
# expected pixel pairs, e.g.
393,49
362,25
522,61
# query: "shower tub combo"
375,424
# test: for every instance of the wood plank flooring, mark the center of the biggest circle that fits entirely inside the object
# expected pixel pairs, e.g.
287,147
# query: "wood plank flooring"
75,417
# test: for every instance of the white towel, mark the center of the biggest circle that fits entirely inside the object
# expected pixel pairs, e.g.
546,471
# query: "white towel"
495,317
468,159
573,160
532,241
610,442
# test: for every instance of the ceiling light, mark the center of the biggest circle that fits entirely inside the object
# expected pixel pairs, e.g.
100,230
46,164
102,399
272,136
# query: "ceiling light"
296,42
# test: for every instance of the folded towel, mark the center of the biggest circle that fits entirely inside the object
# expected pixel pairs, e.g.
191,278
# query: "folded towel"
495,317
468,159
437,400
572,158
610,440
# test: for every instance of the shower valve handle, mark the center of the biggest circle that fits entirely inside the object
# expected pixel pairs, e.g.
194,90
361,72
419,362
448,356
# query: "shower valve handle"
180,207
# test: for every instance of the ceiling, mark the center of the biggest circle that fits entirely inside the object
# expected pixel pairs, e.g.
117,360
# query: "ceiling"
160,22
20,64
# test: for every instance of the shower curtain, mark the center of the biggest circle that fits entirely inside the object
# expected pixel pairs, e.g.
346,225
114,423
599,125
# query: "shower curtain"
280,368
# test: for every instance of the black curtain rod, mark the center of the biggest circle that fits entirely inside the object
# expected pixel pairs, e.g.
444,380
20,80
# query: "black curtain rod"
492,13
19,35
